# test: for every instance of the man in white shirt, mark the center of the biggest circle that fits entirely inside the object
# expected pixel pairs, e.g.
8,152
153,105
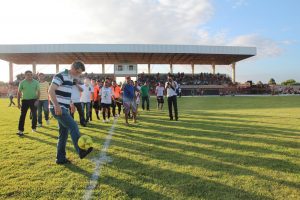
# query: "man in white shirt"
75,98
85,98
159,91
106,95
171,87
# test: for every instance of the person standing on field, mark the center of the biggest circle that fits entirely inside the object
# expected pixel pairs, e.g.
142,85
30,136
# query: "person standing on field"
145,95
159,91
171,87
60,95
29,90
44,101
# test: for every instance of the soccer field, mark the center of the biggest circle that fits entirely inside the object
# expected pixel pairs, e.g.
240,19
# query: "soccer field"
221,148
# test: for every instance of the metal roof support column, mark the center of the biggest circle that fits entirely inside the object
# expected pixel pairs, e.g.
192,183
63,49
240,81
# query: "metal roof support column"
149,68
171,68
213,68
193,68
233,72
34,67
57,68
11,72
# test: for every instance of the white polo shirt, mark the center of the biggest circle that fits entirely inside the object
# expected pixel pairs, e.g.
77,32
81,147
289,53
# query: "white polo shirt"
170,91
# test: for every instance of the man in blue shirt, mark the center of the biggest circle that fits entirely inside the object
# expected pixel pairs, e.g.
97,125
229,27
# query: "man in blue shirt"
128,99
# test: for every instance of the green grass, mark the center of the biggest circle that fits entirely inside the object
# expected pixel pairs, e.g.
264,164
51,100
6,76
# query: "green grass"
222,148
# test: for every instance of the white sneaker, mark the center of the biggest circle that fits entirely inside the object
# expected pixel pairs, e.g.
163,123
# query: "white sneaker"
39,125
34,130
104,121
107,120
47,122
20,133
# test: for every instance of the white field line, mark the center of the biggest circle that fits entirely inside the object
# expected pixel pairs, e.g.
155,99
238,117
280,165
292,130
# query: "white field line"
100,160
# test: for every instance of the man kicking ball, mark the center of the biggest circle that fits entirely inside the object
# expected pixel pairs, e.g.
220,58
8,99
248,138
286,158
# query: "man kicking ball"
60,96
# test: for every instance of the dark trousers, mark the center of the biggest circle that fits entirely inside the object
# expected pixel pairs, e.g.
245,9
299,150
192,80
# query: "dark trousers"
24,108
11,100
79,109
173,100
115,104
146,98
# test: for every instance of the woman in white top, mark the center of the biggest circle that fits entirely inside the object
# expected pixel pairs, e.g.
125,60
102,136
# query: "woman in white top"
106,95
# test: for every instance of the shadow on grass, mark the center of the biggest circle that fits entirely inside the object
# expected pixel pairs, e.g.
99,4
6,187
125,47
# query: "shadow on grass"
175,184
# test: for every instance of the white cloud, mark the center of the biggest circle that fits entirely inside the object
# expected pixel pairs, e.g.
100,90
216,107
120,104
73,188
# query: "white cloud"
265,47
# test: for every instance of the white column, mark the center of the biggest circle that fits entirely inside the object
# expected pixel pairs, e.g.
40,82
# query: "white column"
171,68
34,67
149,68
193,68
57,68
233,72
103,68
213,68
11,72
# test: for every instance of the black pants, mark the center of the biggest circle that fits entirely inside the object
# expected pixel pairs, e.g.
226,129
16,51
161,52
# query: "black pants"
146,98
80,112
24,108
173,100
11,100
114,104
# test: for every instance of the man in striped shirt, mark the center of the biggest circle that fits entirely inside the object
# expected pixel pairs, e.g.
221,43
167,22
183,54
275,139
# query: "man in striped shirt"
60,95
43,102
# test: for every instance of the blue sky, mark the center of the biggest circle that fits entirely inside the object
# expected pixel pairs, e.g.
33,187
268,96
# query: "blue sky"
271,26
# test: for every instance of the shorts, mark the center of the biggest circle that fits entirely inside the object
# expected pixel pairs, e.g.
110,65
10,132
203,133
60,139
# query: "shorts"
127,106
105,105
160,99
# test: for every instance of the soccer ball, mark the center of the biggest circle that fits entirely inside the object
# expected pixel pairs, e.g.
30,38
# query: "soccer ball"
85,142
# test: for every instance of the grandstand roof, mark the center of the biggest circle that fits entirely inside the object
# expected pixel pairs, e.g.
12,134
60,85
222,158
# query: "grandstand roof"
124,53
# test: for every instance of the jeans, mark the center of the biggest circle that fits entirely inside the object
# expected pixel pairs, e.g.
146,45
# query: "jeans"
43,105
173,100
65,124
146,98
86,107
25,105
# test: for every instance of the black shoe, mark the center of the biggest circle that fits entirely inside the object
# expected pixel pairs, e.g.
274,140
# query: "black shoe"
171,118
98,117
66,161
84,153
176,118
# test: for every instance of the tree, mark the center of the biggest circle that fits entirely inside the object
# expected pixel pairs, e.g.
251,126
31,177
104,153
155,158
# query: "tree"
272,81
259,83
289,82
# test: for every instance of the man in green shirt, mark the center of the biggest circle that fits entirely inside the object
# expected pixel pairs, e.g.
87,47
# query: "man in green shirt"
145,95
29,89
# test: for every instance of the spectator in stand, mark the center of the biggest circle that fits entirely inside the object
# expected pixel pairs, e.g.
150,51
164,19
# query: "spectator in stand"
171,87
159,91
75,99
29,89
85,98
145,95
44,100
